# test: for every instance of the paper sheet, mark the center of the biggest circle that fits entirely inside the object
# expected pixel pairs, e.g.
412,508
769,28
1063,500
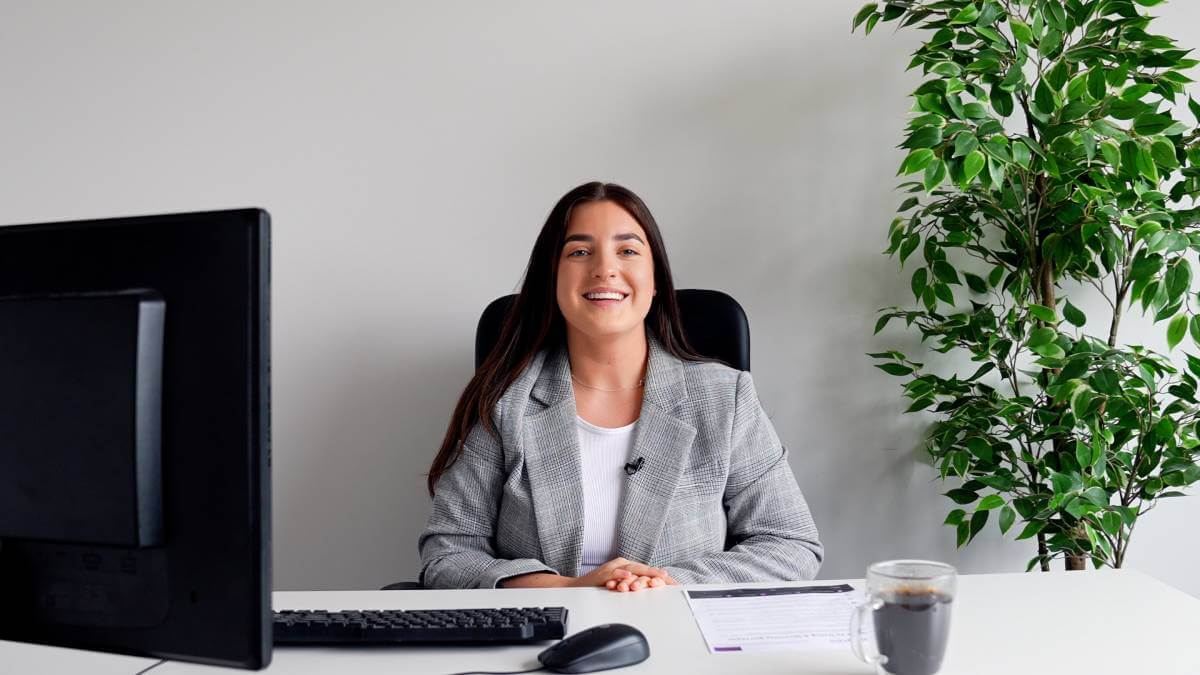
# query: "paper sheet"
746,619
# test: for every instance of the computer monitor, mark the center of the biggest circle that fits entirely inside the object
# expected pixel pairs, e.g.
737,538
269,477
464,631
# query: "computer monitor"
135,436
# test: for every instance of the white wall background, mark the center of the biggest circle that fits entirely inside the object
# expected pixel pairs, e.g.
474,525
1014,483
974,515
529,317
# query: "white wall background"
409,152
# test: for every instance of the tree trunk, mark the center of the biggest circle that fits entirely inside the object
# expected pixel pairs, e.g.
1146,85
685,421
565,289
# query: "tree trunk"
1075,562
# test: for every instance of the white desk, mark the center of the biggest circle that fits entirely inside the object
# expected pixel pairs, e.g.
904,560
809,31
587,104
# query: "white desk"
1091,622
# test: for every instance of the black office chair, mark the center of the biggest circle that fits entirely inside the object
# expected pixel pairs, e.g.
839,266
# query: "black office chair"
714,323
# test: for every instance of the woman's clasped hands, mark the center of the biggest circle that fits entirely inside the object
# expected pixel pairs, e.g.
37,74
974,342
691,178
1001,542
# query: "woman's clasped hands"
623,575
618,574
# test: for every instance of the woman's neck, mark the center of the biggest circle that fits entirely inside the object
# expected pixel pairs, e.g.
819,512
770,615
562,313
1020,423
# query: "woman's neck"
610,362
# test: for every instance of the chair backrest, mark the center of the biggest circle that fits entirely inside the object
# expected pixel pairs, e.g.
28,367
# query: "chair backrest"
714,323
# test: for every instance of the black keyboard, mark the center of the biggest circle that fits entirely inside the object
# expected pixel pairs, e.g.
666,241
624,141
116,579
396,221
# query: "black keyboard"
391,626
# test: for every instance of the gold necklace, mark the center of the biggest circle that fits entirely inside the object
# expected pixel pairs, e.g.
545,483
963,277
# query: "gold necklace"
640,383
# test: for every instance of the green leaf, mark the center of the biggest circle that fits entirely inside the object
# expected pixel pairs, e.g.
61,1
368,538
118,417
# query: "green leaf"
1096,495
961,462
956,516
1051,351
894,368
945,272
946,69
1145,165
1163,152
978,520
935,173
1043,98
962,496
1148,124
990,502
1111,523
996,275
871,21
965,15
925,137
995,171
920,278
1083,453
1021,30
1175,330
911,242
1041,336
1073,315
1031,529
964,143
1043,313
975,282
1060,482
866,11
1095,83
975,111
1112,154
1146,230
916,161
883,321
1179,279
1081,399
979,447
1194,328
943,293
1007,517
1020,153
972,165
1002,101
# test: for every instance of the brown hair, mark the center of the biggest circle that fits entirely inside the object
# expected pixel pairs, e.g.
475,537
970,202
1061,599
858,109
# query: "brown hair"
535,321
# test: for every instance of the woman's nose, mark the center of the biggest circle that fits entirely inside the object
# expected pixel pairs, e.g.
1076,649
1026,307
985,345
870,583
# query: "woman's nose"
605,267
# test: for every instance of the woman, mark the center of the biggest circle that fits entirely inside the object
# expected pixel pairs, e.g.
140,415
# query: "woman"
593,447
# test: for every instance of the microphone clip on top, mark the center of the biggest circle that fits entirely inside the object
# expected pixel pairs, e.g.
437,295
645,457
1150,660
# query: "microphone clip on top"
632,467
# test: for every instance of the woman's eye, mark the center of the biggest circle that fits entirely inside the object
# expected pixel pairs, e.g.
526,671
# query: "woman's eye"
630,250
578,250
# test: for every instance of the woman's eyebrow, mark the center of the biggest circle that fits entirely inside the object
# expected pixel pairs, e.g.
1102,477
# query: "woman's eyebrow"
616,237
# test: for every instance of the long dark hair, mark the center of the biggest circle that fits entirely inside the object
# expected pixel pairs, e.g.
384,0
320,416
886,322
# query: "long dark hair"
535,321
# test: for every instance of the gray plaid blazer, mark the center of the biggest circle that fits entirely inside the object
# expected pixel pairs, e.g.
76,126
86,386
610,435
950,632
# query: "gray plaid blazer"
714,501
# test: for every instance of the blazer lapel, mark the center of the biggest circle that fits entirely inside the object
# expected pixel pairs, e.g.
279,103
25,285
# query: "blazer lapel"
662,441
552,454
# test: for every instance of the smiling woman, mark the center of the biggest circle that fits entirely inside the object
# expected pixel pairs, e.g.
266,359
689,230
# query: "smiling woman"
594,447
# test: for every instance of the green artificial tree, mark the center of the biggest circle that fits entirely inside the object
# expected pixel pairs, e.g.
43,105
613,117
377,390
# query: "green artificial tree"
1051,161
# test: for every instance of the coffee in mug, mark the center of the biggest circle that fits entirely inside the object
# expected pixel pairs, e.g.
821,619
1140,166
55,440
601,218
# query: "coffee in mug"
910,603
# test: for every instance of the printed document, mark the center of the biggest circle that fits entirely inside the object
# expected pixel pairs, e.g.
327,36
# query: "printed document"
746,619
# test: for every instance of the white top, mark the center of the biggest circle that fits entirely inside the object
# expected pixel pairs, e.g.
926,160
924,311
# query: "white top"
605,452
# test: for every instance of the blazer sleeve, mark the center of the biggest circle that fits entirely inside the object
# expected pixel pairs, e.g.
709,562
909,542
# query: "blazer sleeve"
773,534
458,546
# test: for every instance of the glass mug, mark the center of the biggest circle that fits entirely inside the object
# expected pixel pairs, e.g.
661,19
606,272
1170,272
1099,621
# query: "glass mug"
910,603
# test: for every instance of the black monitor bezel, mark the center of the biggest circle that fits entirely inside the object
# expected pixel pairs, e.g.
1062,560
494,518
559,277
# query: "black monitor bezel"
225,240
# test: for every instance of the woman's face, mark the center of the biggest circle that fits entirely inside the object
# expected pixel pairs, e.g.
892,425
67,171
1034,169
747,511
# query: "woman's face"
605,252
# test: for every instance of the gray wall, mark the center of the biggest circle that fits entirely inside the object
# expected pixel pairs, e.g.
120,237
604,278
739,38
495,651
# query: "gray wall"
408,153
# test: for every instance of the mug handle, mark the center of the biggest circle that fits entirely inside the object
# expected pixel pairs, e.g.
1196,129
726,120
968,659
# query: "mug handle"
856,641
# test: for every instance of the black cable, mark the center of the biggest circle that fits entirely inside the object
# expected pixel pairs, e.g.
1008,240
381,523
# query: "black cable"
150,667
501,671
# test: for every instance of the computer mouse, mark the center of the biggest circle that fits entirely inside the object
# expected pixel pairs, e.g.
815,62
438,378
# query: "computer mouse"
610,645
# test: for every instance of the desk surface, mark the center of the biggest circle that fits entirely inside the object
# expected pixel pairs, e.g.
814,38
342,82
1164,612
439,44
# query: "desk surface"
1094,622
